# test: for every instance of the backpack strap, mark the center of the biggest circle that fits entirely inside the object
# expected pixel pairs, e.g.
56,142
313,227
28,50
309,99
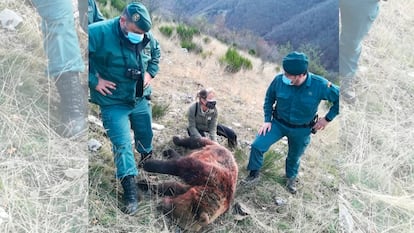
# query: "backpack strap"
196,109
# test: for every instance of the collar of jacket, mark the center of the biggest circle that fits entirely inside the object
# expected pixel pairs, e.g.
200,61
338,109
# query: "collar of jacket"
308,79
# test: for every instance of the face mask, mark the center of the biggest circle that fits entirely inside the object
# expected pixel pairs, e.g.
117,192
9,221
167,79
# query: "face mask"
135,38
286,80
211,104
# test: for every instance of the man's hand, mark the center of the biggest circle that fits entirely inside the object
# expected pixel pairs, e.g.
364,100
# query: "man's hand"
266,127
321,124
104,86
147,80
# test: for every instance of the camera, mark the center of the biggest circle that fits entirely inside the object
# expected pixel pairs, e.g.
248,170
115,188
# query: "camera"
133,73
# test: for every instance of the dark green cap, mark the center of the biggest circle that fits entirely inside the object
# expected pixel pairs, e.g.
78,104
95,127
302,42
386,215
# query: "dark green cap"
295,63
138,14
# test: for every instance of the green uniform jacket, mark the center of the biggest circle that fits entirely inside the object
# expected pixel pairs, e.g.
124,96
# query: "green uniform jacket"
299,104
203,121
111,54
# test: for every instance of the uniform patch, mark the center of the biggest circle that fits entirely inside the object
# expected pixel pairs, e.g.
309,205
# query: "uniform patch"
135,17
329,84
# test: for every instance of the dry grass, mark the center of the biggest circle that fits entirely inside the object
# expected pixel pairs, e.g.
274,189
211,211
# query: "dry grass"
43,178
363,162
377,162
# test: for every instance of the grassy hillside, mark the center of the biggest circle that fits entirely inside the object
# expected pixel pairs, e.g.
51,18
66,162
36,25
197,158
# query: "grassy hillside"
377,160
43,178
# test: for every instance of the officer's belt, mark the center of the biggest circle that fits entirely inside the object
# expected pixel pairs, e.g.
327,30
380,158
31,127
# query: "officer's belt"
308,125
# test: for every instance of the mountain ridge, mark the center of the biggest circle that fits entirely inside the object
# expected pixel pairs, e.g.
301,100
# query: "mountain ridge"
297,23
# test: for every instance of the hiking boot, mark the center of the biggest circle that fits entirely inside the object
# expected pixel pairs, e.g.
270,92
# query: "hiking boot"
144,157
252,178
348,95
291,185
347,91
73,105
130,195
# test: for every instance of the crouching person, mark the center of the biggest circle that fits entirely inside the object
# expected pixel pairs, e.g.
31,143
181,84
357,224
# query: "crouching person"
202,119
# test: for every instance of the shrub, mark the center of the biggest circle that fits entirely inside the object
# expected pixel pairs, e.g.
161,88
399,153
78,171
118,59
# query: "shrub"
186,33
234,61
207,54
118,4
166,31
191,46
206,40
159,110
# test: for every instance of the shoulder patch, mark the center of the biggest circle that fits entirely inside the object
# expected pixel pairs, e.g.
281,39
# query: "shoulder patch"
329,84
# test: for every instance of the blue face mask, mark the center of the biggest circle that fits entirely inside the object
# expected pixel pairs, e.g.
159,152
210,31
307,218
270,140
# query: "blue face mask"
286,80
135,38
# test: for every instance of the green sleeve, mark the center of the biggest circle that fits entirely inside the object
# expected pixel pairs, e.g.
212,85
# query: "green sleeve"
92,79
270,99
153,63
332,95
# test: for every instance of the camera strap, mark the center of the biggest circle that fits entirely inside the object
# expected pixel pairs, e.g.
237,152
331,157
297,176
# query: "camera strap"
139,86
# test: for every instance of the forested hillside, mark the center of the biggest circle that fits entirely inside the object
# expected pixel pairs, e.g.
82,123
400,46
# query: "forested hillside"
297,23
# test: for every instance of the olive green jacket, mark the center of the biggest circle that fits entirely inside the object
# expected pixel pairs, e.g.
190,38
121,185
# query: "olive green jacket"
202,121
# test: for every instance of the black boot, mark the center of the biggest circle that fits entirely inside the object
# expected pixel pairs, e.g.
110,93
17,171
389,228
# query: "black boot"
73,105
130,195
232,142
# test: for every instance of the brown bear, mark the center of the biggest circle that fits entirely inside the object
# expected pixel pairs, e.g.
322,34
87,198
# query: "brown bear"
209,175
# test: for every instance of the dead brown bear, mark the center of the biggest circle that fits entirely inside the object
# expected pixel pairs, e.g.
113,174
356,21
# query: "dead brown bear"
209,175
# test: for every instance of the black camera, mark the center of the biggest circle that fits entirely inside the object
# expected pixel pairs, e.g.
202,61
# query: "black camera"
133,73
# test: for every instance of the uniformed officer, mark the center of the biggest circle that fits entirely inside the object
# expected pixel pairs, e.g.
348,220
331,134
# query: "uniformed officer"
65,62
202,117
123,59
290,106
89,13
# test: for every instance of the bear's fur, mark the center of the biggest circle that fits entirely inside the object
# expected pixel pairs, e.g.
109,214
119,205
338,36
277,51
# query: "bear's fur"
209,175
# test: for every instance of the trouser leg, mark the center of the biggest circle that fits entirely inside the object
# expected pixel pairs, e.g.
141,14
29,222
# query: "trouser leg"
356,20
227,133
298,140
262,144
141,119
116,122
60,39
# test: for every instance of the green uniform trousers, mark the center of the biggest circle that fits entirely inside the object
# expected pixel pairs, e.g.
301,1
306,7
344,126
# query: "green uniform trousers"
118,121
60,38
298,140
357,17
